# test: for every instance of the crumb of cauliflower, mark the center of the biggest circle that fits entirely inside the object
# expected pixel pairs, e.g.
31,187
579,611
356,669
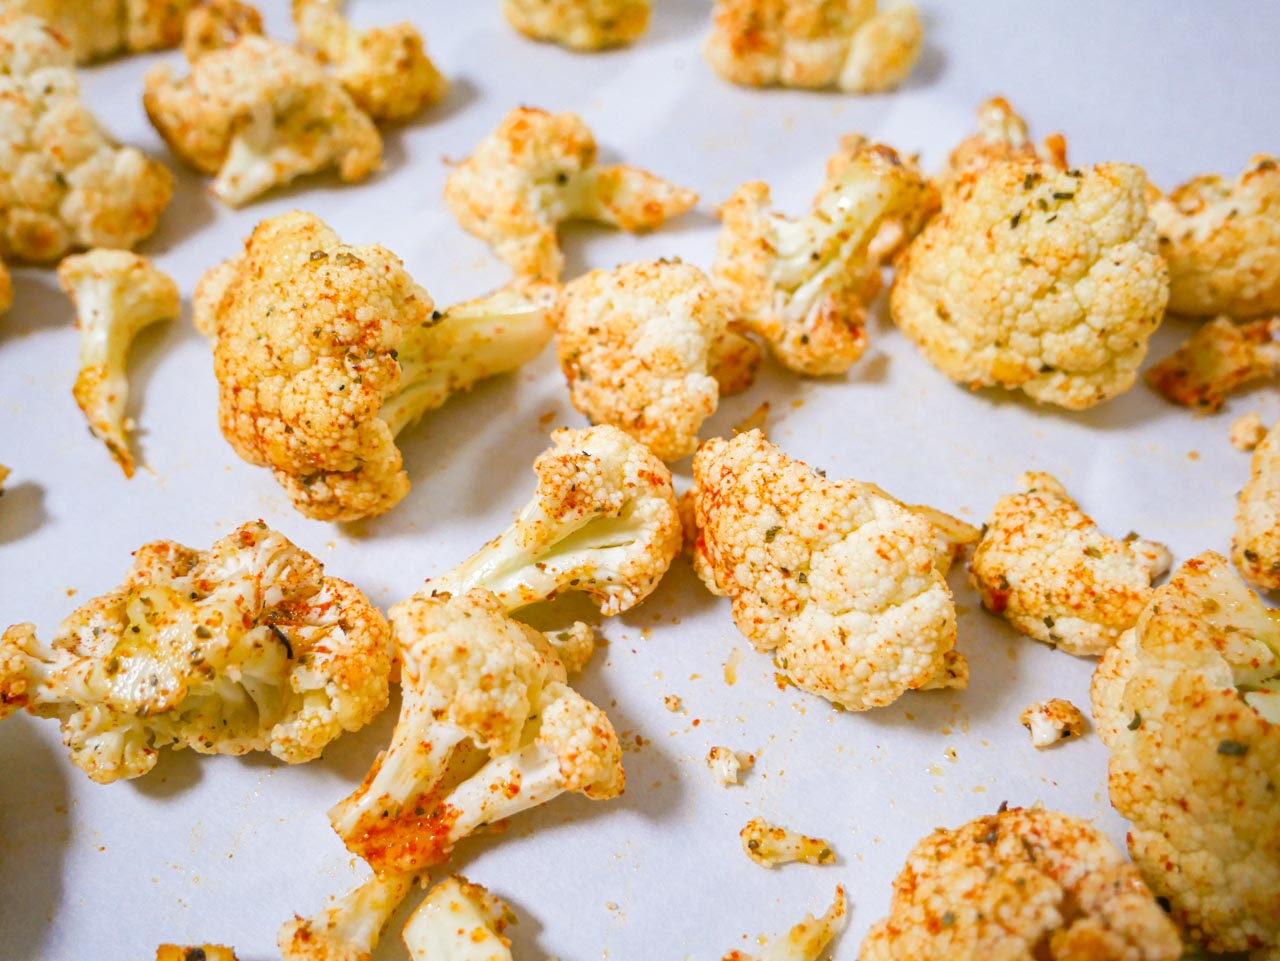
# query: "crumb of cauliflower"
580,24
98,29
218,24
1247,431
459,921
1053,721
1062,282
1256,545
1218,358
195,952
729,765
769,845
1002,136
1021,884
538,169
805,941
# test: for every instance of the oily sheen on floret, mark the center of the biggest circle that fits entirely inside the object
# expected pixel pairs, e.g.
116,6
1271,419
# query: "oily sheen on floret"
580,24
1255,549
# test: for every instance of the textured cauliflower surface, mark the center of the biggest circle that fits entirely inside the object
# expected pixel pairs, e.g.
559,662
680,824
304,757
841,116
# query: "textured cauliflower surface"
1044,566
580,24
1037,279
459,921
218,24
839,581
1001,136
1021,885
1052,722
1221,237
769,845
1221,356
245,647
97,29
538,169
1255,549
805,941
1189,704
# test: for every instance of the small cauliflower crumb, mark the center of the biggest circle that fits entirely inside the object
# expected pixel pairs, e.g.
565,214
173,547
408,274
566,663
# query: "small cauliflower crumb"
1218,358
193,952
805,941
580,24
1052,721
731,665
1255,548
673,703
728,765
769,845
1247,431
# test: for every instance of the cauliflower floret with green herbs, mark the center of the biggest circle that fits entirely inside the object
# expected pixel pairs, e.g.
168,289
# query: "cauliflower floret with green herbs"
1002,136
805,941
244,647
98,29
351,928
1189,704
1256,545
538,169
580,24
218,24
1218,358
769,845
459,921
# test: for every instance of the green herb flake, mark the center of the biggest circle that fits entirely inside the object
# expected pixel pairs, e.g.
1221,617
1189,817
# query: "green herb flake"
948,919
1136,722
771,533
1093,552
1233,748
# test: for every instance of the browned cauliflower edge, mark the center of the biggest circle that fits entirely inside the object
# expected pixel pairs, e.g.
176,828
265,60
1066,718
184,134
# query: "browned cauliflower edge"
1219,357
1255,549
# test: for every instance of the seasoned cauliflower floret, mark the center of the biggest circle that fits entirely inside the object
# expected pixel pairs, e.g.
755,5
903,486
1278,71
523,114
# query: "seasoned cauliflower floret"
258,114
1002,136
580,24
1247,432
97,29
538,169
769,845
1053,721
842,583
728,765
1256,545
1021,885
815,43
1217,359
350,929
202,952
1037,279
216,25
244,647
459,921
1221,238
805,941
1044,566
64,183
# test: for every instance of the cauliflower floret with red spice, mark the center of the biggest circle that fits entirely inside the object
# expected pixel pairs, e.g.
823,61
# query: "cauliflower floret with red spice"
580,24
459,921
805,941
216,25
1044,566
1037,279
1189,704
1218,358
1021,885
1256,545
1002,136
1221,237
348,930
244,647
538,169
98,29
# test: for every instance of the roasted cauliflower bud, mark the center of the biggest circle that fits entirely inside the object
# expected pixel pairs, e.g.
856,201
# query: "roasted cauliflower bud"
1221,238
64,183
1218,358
1189,704
1256,545
459,921
1037,279
244,647
1044,566
216,25
805,941
840,582
580,24
803,285
476,680
351,928
257,115
1021,885
1001,136
538,169
324,352
97,29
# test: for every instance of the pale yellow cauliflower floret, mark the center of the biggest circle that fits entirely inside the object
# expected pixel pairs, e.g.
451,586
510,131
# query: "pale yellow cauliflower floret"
1021,885
216,25
459,921
1218,358
1052,722
805,941
538,169
1045,567
769,845
1255,549
97,29
1002,136
1221,238
1037,279
580,24
258,114
64,183
1189,704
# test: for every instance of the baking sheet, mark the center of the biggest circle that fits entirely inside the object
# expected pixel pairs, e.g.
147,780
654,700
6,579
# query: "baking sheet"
225,849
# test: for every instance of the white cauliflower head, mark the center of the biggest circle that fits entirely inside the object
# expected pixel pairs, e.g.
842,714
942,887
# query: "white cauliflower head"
1052,721
580,24
805,941
769,845
1256,545
1218,358
348,930
97,29
459,921
1189,704
244,647
1001,136
218,24
538,169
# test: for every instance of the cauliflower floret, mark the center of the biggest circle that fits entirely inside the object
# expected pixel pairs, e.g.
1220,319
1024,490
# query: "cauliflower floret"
814,43
1053,721
97,29
459,921
386,70
769,845
728,765
471,676
1247,432
258,114
349,930
1044,566
538,169
245,647
803,285
64,183
842,583
1002,136
216,25
1033,278
1256,545
806,940
202,952
1189,704
116,294
1222,241
1021,885
1218,358
324,352
580,24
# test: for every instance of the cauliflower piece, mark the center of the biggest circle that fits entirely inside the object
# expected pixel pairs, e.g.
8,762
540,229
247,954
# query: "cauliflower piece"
728,765
894,233
1063,283
257,115
1021,885
1217,359
324,352
1247,432
803,285
1053,721
64,184
1221,238
954,675
218,24
202,952
603,521
1045,567
472,676
350,929
1256,545
1189,704
769,845
1002,136
814,43
806,940
245,647
459,921
116,295
6,288
842,583
386,70
538,169
98,29
580,24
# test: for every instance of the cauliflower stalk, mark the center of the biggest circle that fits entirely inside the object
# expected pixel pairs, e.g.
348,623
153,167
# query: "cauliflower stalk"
769,845
1189,704
216,25
459,921
580,24
1256,545
538,169
1221,356
245,647
348,930
806,940
98,29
